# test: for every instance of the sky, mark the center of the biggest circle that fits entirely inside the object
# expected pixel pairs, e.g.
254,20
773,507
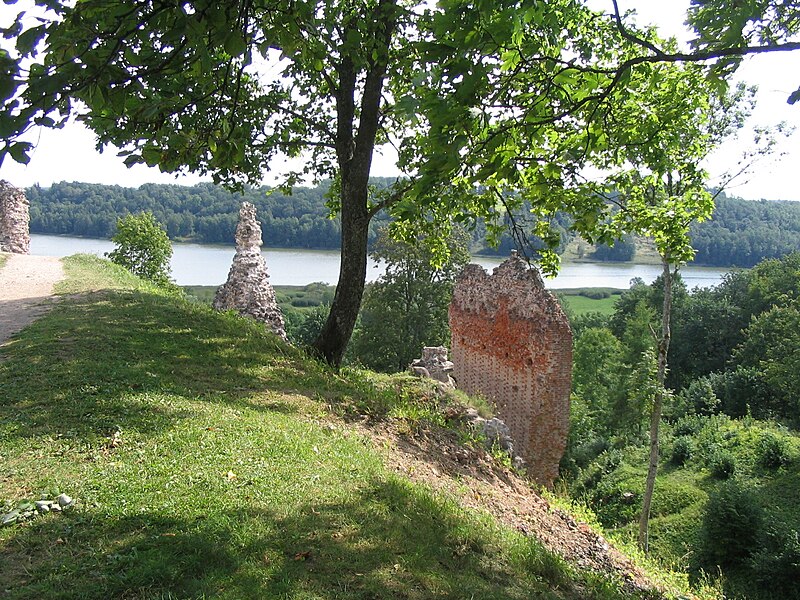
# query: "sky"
69,154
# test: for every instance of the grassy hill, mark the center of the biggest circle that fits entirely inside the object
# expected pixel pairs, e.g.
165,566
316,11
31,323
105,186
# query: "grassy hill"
206,459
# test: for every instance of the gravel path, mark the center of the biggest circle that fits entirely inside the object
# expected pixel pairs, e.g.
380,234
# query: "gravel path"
26,290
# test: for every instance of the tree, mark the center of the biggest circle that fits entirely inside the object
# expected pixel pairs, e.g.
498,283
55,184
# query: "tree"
406,309
506,95
142,247
490,105
772,344
658,190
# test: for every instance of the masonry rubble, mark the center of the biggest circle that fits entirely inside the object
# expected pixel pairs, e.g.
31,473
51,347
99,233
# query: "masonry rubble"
14,220
434,364
512,343
247,289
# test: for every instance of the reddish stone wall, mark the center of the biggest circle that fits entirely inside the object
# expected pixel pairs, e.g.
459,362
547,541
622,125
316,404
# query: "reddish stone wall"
512,343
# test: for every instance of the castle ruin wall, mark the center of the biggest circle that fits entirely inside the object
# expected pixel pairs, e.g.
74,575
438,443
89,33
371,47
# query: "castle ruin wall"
512,344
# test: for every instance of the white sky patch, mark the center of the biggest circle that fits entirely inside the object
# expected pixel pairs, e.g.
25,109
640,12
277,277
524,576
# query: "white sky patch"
69,154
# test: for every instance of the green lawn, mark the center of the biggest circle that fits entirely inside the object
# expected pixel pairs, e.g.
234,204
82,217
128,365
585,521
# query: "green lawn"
289,297
209,460
584,300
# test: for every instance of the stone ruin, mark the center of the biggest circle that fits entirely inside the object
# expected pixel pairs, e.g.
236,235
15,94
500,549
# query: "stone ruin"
434,364
247,289
14,220
512,344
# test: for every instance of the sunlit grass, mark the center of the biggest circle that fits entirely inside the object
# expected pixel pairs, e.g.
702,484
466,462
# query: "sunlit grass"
208,459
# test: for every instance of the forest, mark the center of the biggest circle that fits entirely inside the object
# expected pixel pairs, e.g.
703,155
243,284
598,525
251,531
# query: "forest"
741,233
726,495
725,501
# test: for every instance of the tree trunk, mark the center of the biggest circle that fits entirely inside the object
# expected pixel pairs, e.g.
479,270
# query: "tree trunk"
354,148
658,401
335,335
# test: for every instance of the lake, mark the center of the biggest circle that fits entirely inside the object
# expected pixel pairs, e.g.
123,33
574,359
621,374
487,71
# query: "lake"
202,264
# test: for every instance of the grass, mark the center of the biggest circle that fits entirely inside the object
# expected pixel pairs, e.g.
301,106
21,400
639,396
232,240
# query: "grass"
3,259
289,297
614,489
305,297
584,300
207,460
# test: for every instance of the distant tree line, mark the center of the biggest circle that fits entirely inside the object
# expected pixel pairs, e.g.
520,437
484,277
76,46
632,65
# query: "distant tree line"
742,232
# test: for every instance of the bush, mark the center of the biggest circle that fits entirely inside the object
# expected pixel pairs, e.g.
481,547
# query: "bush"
142,247
304,328
731,526
773,451
689,425
722,464
682,450
593,294
776,564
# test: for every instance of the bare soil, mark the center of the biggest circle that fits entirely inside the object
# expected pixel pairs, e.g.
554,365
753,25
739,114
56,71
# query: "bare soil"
26,290
434,457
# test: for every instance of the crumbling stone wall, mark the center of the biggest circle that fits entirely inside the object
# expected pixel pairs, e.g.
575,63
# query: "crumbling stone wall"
14,220
247,289
433,364
512,343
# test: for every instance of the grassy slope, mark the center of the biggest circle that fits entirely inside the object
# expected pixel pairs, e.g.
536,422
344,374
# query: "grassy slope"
206,463
682,492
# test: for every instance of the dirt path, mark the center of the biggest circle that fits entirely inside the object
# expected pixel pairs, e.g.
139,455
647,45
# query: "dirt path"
26,290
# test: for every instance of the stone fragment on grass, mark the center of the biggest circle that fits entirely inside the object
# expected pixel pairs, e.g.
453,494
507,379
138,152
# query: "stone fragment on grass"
434,364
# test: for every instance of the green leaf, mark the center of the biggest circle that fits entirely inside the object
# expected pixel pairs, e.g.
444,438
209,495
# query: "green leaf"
235,44
19,152
151,156
27,40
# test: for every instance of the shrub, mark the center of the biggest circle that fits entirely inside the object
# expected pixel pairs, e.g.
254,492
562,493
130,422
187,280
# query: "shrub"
722,464
773,451
682,450
776,564
593,294
689,425
142,247
305,327
731,526
698,398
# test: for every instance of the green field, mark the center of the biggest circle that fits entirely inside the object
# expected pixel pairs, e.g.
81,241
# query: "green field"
584,300
578,300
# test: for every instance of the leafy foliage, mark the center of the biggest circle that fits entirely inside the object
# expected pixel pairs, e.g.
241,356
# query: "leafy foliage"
406,308
142,247
731,526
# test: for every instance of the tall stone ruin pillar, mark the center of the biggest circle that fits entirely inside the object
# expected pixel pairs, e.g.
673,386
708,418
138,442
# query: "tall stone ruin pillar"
512,343
247,289
14,220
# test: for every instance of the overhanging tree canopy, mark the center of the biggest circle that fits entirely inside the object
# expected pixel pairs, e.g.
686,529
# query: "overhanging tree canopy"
509,98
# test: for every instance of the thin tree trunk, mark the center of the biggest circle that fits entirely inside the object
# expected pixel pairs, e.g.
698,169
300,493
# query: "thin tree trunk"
335,335
658,401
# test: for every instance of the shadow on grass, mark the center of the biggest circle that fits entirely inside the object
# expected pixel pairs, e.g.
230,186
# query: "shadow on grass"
116,358
388,541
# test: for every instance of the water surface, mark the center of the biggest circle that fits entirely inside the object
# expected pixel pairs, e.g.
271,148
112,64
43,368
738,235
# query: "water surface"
205,264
